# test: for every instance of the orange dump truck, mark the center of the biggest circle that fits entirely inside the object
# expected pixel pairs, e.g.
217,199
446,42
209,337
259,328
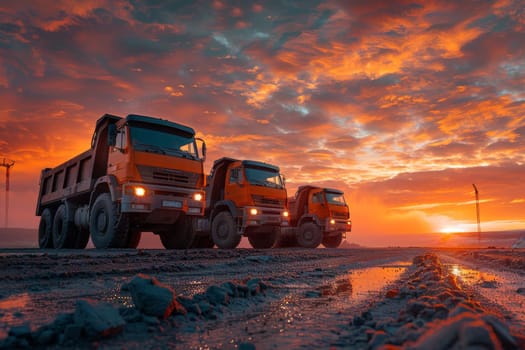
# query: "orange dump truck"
317,215
140,174
243,198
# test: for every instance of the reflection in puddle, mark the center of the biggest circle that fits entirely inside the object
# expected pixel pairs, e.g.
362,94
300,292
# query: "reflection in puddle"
473,276
11,311
359,284
374,279
499,287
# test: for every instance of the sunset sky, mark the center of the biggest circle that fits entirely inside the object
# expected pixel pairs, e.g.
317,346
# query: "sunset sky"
401,104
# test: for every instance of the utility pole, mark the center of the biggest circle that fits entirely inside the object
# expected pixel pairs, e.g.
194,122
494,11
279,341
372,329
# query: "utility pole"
477,211
7,163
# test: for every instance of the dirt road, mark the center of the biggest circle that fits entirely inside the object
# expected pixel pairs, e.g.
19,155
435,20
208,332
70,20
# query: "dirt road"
322,298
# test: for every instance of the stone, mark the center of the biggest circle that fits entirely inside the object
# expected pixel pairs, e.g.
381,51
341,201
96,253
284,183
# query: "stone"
153,298
217,295
45,336
22,331
392,293
130,315
254,286
72,333
98,320
414,307
205,307
230,288
378,339
358,321
501,330
477,334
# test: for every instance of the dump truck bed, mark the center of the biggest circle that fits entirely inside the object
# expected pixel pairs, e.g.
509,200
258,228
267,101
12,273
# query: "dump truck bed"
67,180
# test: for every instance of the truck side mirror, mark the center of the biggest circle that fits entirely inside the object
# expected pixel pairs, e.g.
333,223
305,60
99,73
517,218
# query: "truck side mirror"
112,135
203,148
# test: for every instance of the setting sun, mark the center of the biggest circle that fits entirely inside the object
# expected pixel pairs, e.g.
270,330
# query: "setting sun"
452,229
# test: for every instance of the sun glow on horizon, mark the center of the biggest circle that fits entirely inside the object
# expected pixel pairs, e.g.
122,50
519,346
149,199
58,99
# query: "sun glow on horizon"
452,229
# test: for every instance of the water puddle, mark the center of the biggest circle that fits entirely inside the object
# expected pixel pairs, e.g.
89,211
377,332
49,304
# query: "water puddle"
500,287
293,320
13,310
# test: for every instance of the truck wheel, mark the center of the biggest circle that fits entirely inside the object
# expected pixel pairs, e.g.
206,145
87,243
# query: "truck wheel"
181,237
201,242
263,240
224,232
309,235
45,235
333,241
103,224
63,229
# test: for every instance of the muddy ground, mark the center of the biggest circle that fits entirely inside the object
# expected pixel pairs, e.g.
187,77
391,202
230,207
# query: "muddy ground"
281,298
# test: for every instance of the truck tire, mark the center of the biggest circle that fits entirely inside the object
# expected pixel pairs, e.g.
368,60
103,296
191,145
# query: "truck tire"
333,241
45,235
180,237
63,229
224,232
203,242
104,224
309,235
263,240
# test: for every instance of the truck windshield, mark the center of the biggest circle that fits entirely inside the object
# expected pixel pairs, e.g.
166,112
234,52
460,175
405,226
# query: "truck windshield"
335,198
163,141
263,177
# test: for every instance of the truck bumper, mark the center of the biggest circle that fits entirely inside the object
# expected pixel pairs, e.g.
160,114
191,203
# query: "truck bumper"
255,217
161,198
335,226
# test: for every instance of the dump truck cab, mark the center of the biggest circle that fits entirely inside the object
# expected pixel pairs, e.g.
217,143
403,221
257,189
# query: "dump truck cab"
244,197
319,215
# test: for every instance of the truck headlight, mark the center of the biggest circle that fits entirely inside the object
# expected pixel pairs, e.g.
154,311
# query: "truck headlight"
253,211
197,196
139,191
332,221
286,214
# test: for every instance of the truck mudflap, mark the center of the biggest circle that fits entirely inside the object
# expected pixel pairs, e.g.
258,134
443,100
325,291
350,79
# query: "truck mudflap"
147,198
263,216
337,226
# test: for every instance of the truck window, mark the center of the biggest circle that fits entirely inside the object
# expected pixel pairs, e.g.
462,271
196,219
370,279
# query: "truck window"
163,140
335,198
122,141
235,176
263,177
317,197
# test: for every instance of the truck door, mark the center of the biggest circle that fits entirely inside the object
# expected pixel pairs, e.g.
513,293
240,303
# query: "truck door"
317,205
233,187
119,155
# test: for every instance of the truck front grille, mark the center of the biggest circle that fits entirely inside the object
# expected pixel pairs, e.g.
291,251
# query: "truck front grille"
168,176
340,215
267,202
